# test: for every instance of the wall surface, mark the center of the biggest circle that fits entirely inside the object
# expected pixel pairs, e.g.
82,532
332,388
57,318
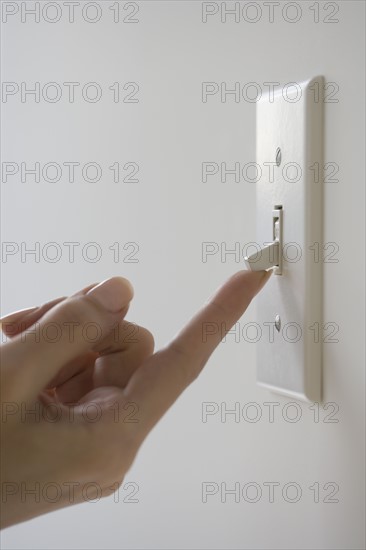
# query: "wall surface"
169,132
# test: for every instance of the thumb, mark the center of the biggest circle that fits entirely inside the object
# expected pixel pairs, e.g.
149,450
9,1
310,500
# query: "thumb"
70,329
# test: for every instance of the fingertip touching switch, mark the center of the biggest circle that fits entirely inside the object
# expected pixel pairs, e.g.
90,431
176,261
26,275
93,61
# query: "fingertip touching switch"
270,255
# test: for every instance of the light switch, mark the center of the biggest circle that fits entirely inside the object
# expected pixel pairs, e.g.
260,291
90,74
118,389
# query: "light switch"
270,255
289,223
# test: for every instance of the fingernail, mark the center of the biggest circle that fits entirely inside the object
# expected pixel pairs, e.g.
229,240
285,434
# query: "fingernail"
113,294
85,290
265,274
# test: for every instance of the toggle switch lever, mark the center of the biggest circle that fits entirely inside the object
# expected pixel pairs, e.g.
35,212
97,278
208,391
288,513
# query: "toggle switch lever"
270,256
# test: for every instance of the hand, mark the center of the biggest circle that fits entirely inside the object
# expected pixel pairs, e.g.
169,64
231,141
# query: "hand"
81,389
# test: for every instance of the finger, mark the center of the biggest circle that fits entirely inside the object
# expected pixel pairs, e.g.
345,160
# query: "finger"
35,356
73,368
21,320
73,389
113,368
163,377
17,314
118,340
17,322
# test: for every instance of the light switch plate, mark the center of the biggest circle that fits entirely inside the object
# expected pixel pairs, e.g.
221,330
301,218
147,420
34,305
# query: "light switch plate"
289,129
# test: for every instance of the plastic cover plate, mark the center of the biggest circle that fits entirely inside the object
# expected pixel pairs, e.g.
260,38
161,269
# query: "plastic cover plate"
289,360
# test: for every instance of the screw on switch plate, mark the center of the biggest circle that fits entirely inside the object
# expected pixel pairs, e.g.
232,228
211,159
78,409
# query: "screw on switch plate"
278,323
278,156
270,255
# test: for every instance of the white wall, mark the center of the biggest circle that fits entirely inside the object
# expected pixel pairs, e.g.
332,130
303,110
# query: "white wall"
169,213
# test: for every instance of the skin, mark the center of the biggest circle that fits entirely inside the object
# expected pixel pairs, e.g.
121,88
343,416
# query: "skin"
74,378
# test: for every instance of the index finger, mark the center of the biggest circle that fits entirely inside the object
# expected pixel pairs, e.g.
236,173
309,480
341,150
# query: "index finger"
163,377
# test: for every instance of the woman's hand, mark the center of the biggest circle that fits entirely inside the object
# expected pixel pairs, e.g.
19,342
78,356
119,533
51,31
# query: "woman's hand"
81,389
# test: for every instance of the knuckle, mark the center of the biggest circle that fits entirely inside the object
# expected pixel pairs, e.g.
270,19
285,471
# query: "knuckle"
131,335
220,309
146,339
